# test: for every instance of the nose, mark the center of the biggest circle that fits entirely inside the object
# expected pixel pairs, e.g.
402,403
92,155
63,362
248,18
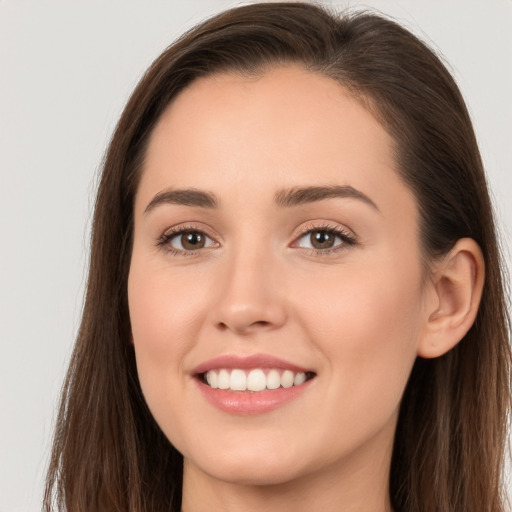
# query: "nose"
250,295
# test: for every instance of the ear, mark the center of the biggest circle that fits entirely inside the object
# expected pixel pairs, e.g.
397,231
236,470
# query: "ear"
452,299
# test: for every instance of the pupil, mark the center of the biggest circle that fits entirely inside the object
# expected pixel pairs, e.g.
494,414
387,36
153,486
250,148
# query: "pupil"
322,239
192,240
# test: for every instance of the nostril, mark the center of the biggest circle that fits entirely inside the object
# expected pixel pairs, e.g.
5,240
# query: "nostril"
261,323
241,327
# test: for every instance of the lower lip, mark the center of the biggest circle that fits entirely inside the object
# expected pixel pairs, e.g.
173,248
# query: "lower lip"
247,402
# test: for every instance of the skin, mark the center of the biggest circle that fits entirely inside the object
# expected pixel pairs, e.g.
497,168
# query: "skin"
358,316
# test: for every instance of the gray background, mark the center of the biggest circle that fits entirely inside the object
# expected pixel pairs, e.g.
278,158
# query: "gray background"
66,69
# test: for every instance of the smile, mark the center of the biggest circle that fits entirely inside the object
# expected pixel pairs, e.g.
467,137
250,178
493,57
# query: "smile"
255,380
251,385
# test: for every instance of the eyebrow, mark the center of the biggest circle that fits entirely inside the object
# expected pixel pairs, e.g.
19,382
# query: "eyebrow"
186,197
284,198
297,196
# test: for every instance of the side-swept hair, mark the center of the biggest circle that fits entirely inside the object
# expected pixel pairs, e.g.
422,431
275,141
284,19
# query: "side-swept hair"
108,452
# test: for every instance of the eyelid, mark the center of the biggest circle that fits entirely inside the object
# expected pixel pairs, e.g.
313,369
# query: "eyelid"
174,231
327,226
347,237
193,226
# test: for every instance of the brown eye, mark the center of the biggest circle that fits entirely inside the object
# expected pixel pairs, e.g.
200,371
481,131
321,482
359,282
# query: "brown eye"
189,240
325,239
192,240
321,239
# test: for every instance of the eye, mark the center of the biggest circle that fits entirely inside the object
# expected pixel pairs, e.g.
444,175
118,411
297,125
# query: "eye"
186,240
325,239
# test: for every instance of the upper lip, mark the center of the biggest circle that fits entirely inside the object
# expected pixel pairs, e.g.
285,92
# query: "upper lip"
247,362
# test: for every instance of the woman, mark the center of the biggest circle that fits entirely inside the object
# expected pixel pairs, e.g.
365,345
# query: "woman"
295,296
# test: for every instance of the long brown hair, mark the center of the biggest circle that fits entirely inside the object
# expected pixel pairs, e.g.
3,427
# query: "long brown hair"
110,455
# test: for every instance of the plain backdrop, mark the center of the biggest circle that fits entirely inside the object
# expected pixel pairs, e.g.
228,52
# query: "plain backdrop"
66,70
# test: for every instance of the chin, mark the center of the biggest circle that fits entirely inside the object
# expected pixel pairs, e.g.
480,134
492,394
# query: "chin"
254,476
249,467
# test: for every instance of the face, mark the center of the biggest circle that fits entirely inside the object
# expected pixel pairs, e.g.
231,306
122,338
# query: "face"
275,247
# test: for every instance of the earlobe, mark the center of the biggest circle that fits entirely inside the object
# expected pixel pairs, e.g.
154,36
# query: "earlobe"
455,290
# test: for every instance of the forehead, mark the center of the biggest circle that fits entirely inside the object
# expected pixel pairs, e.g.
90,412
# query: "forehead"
301,112
287,127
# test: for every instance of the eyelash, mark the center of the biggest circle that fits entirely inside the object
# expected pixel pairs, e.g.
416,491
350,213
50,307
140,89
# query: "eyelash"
347,239
163,241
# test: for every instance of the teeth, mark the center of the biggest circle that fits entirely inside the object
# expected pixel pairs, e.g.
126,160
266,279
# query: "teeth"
299,379
255,380
223,379
287,379
238,381
273,379
212,379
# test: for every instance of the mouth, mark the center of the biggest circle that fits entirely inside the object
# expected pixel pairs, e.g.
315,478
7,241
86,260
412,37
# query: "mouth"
254,380
251,385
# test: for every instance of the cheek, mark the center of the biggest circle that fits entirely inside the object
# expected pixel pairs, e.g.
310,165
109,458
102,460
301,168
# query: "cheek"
368,323
164,309
164,316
